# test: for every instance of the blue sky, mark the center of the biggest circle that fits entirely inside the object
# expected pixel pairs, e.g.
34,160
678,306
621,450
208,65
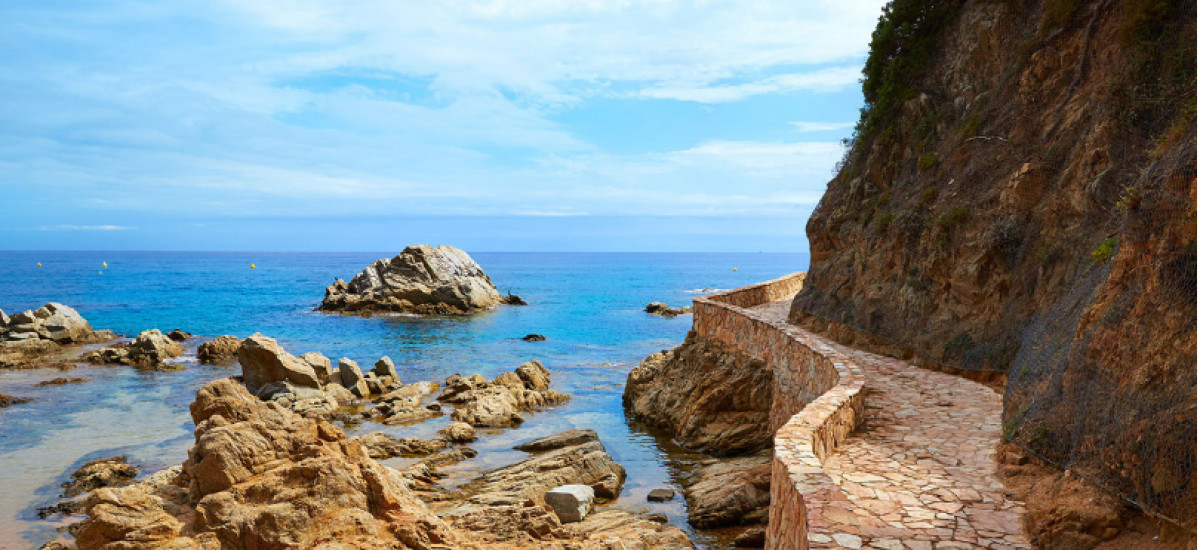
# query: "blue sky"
373,124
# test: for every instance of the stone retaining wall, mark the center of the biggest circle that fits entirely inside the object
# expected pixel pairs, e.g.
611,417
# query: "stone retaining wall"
817,399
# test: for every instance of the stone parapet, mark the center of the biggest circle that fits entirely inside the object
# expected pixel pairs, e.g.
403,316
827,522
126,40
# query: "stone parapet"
816,403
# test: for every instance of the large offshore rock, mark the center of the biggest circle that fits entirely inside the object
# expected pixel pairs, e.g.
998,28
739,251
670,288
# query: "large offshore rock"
421,279
264,362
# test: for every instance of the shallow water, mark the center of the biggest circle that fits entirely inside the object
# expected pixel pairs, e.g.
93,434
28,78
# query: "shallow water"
587,304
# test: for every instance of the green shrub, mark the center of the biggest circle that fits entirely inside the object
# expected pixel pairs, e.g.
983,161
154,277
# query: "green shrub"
927,161
901,46
951,218
885,220
970,126
929,195
1058,13
1104,252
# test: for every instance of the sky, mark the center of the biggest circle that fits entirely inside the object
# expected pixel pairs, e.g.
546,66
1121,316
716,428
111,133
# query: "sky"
499,125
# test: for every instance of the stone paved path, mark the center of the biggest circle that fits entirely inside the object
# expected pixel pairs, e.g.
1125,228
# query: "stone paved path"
920,472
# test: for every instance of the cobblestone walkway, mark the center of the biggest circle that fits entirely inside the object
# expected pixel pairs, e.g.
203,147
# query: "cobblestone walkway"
919,473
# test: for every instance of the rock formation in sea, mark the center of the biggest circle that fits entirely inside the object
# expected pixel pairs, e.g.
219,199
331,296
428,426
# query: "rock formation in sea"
663,310
1019,200
219,349
421,280
499,402
150,350
709,399
261,476
27,338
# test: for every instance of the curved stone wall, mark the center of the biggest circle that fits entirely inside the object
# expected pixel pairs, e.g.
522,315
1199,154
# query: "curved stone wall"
816,403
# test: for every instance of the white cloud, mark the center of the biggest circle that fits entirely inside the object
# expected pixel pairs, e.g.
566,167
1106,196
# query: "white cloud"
825,80
65,227
806,127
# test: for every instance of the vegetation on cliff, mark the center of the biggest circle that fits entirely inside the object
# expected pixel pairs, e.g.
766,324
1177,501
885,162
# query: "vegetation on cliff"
1019,198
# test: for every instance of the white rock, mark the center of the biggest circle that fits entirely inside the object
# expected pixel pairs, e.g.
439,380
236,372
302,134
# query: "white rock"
570,502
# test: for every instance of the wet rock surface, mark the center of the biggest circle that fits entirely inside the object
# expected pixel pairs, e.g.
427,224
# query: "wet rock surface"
220,349
663,310
33,339
149,350
733,491
422,280
499,402
558,441
9,400
709,400
105,472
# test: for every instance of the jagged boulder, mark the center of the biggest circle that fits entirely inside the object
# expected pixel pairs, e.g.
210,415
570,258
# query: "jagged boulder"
53,322
385,367
260,476
265,362
221,348
663,310
351,377
733,491
421,279
151,348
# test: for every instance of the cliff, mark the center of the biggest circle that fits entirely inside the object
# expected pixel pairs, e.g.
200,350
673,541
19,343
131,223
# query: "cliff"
1019,198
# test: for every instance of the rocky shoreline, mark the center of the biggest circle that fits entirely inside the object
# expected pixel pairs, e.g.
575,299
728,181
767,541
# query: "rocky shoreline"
273,466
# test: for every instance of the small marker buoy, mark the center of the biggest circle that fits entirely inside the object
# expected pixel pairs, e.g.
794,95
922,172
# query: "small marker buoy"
100,272
251,266
735,269
103,264
39,264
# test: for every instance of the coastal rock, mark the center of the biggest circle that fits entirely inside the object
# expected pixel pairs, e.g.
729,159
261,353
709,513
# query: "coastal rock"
385,367
458,432
571,503
534,338
709,399
179,335
351,377
260,476
610,529
8,400
151,348
499,403
105,472
62,381
734,491
321,366
529,479
219,349
53,322
421,279
558,441
660,495
663,310
380,445
264,362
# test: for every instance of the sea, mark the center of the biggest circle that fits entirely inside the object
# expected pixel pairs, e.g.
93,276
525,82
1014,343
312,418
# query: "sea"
589,306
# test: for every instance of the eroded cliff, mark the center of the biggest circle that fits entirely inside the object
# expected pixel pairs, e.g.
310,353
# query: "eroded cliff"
1019,198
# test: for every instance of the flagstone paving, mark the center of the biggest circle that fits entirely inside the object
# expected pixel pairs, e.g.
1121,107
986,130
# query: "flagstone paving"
919,474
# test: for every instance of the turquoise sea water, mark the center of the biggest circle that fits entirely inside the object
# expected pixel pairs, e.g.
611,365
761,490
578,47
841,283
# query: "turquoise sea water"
588,305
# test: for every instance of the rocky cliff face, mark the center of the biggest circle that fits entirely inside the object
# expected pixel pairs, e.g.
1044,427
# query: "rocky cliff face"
1020,197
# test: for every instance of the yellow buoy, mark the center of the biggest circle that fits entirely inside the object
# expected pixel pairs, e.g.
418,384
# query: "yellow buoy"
735,269
39,264
100,272
103,264
251,266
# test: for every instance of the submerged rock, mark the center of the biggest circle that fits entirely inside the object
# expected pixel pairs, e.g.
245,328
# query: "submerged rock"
219,349
421,279
534,338
8,400
663,310
105,472
558,441
660,495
